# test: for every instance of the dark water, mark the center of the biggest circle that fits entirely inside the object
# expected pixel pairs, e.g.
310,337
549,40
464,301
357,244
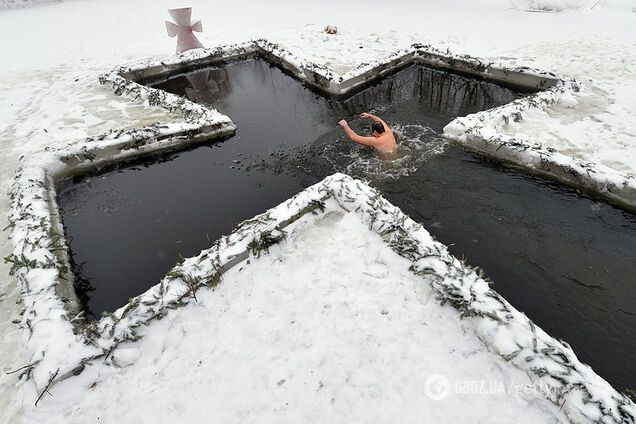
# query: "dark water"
563,259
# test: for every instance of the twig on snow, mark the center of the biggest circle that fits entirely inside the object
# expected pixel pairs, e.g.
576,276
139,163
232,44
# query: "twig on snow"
46,389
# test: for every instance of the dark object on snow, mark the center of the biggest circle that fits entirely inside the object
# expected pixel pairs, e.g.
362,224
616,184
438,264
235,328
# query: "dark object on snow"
331,29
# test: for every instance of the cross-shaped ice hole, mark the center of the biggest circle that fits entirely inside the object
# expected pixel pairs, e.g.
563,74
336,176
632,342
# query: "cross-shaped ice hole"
517,227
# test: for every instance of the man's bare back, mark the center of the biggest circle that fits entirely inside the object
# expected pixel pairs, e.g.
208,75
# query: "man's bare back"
381,139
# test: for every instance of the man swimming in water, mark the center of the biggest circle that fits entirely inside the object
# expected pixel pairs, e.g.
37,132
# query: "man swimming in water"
381,139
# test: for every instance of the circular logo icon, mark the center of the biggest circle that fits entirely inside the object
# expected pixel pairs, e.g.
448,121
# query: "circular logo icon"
437,387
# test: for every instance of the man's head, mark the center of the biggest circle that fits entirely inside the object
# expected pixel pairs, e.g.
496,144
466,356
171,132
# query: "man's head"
377,129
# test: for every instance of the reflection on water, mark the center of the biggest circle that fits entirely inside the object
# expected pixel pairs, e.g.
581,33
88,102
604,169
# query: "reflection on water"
424,95
433,93
203,86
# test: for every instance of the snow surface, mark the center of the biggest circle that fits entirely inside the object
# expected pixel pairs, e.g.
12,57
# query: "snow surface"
354,340
49,94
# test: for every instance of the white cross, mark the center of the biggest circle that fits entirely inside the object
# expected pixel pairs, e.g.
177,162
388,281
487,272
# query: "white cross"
183,28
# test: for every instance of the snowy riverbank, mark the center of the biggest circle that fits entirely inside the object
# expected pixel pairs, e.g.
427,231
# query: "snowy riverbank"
49,94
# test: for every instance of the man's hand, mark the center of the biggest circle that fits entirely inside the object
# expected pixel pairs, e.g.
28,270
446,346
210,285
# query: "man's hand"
342,123
364,115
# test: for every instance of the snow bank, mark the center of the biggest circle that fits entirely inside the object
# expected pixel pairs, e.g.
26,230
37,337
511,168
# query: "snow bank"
487,133
551,365
351,338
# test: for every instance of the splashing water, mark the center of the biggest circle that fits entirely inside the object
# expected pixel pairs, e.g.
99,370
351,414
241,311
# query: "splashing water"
335,153
416,145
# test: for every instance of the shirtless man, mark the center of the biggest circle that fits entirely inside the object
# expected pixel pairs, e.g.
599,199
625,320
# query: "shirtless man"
381,139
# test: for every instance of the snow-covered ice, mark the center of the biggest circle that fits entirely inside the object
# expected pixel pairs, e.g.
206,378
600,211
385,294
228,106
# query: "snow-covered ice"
49,96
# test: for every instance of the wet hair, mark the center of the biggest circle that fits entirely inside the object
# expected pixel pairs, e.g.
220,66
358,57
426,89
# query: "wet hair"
377,127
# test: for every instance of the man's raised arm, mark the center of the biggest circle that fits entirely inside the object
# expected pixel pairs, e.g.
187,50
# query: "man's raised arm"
375,119
367,141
